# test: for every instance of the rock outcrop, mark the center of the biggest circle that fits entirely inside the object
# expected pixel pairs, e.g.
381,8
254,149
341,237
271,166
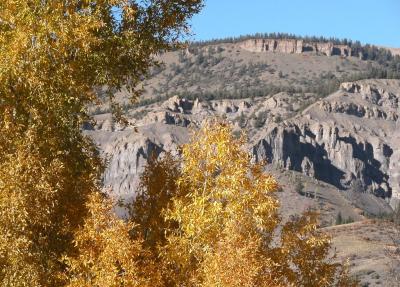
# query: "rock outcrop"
329,153
394,170
350,138
294,46
128,151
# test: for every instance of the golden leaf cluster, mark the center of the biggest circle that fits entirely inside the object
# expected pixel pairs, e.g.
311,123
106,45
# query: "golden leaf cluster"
210,219
53,56
106,254
219,224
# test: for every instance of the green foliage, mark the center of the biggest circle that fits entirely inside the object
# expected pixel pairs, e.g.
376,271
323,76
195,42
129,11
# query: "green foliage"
241,120
277,36
396,215
339,218
278,119
259,119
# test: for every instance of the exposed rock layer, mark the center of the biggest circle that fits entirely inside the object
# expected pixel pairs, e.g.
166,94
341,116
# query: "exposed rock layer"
349,136
349,139
291,46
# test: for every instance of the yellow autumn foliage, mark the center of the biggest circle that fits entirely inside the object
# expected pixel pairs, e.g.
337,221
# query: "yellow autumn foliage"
211,221
222,225
53,54
106,255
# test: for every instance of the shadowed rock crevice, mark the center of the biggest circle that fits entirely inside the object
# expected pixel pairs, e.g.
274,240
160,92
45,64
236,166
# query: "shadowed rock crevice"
290,152
296,149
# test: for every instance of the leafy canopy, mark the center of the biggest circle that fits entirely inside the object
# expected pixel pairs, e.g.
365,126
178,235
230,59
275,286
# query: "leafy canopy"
221,222
53,54
106,255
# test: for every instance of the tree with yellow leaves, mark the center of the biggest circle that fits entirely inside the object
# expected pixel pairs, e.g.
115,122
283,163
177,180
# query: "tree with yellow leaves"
156,189
106,255
52,56
224,227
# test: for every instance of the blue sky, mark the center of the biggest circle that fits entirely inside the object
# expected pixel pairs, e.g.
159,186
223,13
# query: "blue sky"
369,21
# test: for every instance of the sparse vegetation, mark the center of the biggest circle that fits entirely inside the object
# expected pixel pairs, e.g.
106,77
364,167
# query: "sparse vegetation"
340,220
242,120
259,119
367,52
140,114
278,119
396,215
197,73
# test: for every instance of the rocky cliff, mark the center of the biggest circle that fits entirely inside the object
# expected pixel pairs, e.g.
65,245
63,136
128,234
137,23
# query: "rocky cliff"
291,46
349,139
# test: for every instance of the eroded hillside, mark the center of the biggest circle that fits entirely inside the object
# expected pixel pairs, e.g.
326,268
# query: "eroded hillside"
330,139
347,140
246,68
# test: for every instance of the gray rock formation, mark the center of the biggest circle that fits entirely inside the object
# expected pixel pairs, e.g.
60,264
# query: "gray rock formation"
350,136
394,169
128,151
291,46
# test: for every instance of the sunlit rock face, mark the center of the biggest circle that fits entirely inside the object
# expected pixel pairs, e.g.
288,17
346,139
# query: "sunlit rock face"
351,136
295,46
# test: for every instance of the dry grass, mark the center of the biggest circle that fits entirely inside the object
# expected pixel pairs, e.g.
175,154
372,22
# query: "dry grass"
366,244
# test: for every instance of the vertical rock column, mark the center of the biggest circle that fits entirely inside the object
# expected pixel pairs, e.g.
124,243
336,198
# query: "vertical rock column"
394,171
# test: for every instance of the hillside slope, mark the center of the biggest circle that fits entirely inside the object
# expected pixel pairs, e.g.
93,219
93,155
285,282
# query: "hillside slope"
240,69
345,140
318,117
290,97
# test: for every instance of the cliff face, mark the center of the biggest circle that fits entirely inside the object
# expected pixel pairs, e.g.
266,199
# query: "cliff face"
127,152
328,152
351,139
291,46
347,138
394,170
